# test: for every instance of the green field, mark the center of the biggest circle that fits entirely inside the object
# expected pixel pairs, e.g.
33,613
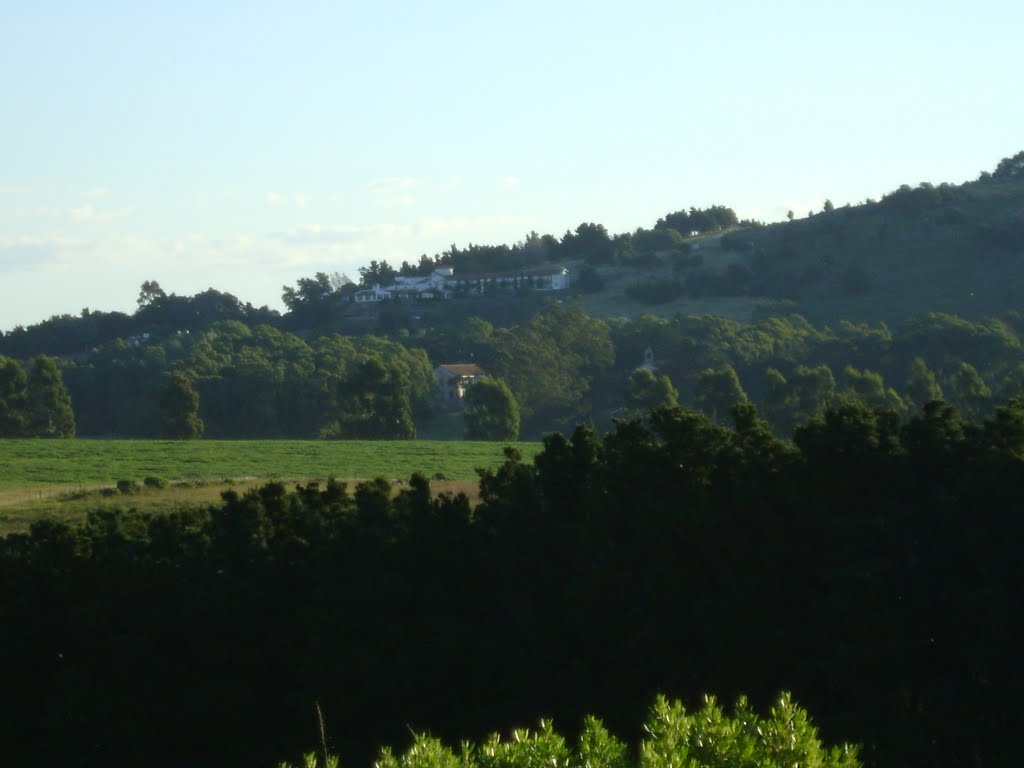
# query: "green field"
64,479
28,464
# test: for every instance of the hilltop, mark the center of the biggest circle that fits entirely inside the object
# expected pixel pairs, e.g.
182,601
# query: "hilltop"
950,248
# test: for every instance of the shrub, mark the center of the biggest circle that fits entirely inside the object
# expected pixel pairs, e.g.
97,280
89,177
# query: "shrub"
128,487
707,738
155,482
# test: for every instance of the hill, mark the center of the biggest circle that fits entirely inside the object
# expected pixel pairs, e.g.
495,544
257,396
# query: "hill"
951,249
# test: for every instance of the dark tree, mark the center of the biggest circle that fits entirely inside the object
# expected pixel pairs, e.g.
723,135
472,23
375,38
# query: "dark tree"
49,412
150,293
1010,167
492,412
13,399
718,391
179,409
647,391
373,404
589,280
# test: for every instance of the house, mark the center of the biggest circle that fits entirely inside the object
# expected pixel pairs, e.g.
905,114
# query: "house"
368,295
454,379
432,286
442,283
540,279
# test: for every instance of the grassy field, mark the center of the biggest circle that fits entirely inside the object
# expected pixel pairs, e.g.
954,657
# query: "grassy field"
66,478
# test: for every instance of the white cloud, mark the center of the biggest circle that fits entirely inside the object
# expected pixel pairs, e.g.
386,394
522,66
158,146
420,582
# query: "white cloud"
29,254
395,200
299,201
89,213
397,182
331,236
494,229
84,213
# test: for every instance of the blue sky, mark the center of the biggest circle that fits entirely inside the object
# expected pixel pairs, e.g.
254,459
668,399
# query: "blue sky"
242,146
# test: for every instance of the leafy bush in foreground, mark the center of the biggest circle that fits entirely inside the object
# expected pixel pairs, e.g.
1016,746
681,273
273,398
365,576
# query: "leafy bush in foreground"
707,738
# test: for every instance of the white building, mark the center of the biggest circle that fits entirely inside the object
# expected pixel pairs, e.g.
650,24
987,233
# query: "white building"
442,283
454,379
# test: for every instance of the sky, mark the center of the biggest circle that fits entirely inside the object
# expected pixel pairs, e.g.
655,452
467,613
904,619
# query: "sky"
244,145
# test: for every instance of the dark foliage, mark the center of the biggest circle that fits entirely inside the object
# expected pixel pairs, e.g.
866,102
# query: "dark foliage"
872,569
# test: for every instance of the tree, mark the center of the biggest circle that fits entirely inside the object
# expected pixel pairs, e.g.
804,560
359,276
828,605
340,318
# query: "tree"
1010,167
373,404
922,386
492,412
589,280
718,391
969,392
179,409
647,391
590,242
13,399
790,215
150,293
869,388
828,207
49,410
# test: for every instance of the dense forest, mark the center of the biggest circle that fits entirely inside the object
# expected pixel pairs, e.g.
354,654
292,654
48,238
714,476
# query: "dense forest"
562,367
870,566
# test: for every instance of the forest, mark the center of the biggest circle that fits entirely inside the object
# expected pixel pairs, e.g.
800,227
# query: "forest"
560,368
870,565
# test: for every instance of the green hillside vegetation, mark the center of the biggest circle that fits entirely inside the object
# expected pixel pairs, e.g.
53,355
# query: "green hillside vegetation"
953,249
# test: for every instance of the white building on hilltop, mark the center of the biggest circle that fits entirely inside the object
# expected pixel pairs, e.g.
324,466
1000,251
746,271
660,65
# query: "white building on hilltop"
442,283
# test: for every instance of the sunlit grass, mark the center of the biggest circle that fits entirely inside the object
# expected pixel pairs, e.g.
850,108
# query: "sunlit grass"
66,478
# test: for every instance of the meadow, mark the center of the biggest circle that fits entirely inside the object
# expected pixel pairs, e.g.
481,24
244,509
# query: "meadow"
65,478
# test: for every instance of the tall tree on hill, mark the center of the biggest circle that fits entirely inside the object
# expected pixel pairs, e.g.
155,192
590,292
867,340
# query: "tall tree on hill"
1010,167
492,412
49,411
13,399
179,409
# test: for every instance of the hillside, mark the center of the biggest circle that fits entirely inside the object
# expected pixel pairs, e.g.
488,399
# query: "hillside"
953,249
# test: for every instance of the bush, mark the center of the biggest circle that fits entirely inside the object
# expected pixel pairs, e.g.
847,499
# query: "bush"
128,487
707,738
155,482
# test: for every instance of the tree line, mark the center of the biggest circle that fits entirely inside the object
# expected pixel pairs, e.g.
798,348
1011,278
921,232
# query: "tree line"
558,368
870,565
